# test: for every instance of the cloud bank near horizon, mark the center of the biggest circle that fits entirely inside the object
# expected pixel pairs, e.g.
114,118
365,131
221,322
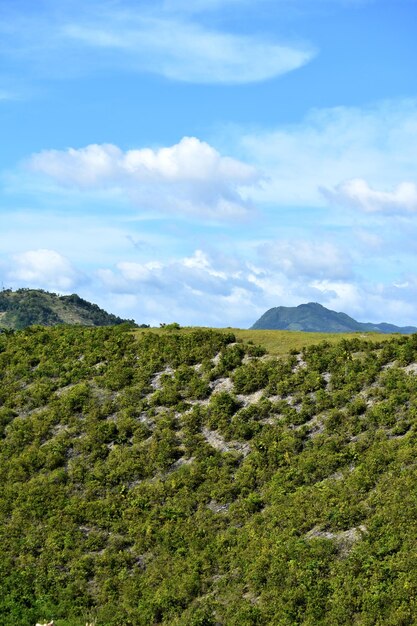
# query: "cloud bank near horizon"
204,290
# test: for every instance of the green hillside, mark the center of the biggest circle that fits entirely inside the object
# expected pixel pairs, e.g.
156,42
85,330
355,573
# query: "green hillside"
24,307
314,317
186,479
280,342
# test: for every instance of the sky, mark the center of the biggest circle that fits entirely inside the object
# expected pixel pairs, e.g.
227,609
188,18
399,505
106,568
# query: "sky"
202,161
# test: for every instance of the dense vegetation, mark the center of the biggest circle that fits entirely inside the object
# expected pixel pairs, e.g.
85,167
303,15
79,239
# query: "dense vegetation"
24,307
280,342
188,479
314,317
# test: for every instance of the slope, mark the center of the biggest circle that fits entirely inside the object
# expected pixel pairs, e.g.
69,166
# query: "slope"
25,307
187,479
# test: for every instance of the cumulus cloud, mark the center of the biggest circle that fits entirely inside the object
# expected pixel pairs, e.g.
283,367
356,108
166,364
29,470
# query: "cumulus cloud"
377,143
195,274
307,259
190,177
370,302
199,290
340,295
87,167
194,289
357,194
189,160
43,268
206,290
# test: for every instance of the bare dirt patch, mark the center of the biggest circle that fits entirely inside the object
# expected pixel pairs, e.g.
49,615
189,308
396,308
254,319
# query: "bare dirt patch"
344,539
219,443
221,384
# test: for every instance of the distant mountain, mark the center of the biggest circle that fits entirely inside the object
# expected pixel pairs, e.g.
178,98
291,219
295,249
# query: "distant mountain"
314,317
25,307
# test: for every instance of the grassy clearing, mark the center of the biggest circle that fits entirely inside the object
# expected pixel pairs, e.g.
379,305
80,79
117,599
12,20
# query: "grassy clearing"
279,342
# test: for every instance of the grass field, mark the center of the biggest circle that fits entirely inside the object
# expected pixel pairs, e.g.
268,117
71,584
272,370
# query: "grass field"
278,342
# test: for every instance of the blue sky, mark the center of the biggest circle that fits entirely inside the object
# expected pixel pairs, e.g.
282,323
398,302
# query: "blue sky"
204,161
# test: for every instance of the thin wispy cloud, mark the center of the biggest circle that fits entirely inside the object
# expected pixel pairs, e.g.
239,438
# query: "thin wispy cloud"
188,52
146,40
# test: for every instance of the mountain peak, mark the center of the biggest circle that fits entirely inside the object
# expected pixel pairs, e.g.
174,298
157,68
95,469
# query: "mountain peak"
314,317
310,305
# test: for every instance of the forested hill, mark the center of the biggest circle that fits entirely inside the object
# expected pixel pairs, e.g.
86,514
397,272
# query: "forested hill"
185,479
25,307
314,317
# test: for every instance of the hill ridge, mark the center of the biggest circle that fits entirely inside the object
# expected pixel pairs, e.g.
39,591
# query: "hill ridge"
25,307
314,317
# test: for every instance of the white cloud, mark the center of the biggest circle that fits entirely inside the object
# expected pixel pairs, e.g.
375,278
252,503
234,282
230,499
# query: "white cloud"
203,289
187,51
307,259
370,302
357,194
43,268
79,39
190,177
198,290
194,289
195,274
376,143
87,167
339,295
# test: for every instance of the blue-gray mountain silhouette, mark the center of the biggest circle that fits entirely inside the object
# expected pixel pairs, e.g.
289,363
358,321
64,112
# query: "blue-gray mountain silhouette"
314,317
